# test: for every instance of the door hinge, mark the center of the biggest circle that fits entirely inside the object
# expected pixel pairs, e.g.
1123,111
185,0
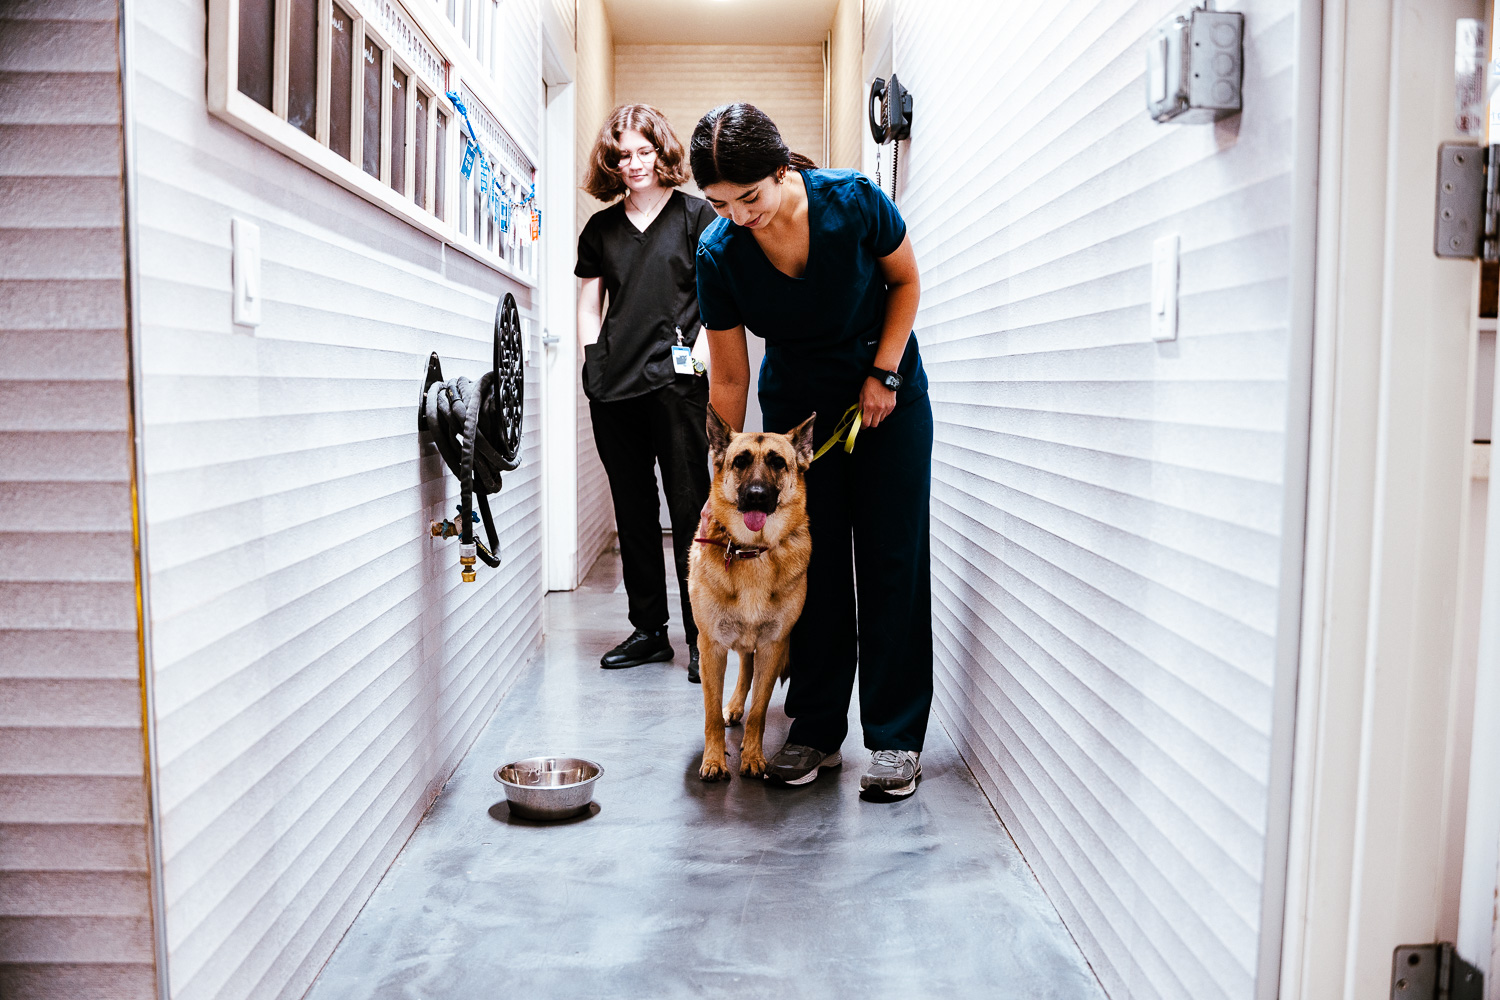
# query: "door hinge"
1468,200
1433,971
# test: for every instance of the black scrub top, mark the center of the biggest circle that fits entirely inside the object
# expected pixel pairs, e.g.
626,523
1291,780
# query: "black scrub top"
822,330
649,277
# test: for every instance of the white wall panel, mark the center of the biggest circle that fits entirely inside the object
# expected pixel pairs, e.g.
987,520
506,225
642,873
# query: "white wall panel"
320,668
567,13
596,98
518,68
1107,512
75,896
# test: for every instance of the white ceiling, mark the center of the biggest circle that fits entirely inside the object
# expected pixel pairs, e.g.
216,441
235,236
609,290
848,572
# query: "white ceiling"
720,22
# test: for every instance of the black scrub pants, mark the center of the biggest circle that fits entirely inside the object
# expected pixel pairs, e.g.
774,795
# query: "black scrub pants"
869,585
667,426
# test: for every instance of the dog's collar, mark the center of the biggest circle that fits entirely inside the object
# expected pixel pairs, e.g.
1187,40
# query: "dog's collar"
732,550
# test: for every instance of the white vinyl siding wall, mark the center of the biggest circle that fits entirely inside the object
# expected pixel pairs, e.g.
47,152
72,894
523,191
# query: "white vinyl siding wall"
1107,512
518,70
595,100
319,667
567,15
75,896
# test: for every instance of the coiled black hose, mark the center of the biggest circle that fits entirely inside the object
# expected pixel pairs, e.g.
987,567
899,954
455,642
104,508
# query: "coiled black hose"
477,426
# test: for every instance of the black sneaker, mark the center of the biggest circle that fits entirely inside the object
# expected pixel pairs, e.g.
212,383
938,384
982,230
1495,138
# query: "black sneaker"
693,677
641,647
795,764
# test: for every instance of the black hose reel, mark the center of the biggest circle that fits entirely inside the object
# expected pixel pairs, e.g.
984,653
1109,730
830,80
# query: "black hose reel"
477,429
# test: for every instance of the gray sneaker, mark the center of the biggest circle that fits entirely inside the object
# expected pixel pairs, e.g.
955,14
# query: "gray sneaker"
892,773
795,764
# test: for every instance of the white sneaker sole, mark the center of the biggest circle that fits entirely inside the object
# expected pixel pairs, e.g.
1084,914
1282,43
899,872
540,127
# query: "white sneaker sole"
899,792
832,760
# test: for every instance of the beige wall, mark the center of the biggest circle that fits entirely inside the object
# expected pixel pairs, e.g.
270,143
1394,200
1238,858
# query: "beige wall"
595,100
75,895
684,81
846,87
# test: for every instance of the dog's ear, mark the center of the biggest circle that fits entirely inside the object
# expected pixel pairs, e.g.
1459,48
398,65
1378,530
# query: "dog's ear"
719,433
802,439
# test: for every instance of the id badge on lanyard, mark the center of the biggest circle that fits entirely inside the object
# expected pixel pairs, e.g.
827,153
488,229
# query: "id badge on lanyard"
682,356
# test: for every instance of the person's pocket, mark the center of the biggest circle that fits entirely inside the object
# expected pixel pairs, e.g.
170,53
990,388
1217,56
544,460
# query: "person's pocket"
595,367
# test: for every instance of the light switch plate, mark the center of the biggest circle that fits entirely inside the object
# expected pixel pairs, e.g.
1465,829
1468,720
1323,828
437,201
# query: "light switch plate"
245,240
1164,288
1156,70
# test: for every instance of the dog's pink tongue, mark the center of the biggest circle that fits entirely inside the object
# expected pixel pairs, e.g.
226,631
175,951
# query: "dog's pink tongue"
755,520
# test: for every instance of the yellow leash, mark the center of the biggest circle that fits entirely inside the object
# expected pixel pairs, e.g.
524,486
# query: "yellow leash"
847,430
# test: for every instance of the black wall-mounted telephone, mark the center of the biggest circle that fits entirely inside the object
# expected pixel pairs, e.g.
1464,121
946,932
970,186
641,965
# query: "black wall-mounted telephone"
894,118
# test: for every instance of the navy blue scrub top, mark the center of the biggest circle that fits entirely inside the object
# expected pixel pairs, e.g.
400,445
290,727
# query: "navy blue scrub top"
821,330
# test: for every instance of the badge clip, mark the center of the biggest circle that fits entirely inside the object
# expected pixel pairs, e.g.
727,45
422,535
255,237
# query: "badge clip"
682,357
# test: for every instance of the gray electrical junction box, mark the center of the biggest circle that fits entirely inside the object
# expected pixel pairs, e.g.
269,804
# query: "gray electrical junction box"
1195,66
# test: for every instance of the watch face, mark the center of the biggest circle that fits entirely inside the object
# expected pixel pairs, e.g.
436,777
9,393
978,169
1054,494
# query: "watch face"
893,381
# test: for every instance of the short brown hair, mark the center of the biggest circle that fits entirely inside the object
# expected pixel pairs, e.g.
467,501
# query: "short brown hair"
603,180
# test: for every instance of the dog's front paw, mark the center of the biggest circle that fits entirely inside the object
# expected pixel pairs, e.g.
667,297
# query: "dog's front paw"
752,763
713,769
732,715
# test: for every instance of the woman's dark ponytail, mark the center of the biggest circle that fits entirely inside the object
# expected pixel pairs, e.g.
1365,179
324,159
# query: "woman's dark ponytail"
740,144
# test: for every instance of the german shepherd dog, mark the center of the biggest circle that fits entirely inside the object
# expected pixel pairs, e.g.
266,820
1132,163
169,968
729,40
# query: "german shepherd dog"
747,578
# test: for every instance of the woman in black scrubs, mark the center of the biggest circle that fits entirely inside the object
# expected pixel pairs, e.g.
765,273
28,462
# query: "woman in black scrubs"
638,256
818,263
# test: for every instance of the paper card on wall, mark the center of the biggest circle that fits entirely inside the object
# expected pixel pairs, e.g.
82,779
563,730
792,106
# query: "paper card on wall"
536,225
469,153
484,176
1468,76
505,215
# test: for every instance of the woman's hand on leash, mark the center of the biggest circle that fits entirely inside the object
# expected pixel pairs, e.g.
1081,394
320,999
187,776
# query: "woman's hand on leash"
875,402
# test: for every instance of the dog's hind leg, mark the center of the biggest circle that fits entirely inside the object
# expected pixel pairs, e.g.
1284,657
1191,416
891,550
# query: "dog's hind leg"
735,710
713,660
771,657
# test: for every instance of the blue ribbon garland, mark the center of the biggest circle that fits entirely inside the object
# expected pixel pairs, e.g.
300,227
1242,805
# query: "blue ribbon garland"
501,207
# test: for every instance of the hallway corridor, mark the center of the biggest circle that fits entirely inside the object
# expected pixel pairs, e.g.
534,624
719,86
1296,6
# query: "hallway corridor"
677,889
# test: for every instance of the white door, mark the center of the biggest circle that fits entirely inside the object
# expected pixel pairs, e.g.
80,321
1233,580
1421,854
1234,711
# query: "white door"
560,360
1476,938
1381,703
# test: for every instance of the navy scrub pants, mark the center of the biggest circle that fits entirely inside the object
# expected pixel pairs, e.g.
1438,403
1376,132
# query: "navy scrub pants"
869,585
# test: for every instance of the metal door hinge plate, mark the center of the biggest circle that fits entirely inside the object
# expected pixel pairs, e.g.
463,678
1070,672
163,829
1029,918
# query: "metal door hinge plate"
1433,972
1465,226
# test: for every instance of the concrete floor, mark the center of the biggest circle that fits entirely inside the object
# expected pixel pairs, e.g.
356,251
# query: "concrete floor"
675,888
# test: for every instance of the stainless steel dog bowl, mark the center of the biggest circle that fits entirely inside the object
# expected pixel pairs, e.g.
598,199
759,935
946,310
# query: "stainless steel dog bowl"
549,787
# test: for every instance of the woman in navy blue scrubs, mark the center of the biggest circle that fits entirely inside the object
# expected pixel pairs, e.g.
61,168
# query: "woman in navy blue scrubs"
818,263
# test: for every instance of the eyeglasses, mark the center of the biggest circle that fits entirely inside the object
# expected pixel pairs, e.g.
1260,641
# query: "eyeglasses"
643,155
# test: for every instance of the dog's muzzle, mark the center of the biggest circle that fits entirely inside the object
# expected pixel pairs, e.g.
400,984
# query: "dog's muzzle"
757,502
758,497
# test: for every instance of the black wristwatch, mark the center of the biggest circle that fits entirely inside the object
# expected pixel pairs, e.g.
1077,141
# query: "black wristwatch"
890,380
